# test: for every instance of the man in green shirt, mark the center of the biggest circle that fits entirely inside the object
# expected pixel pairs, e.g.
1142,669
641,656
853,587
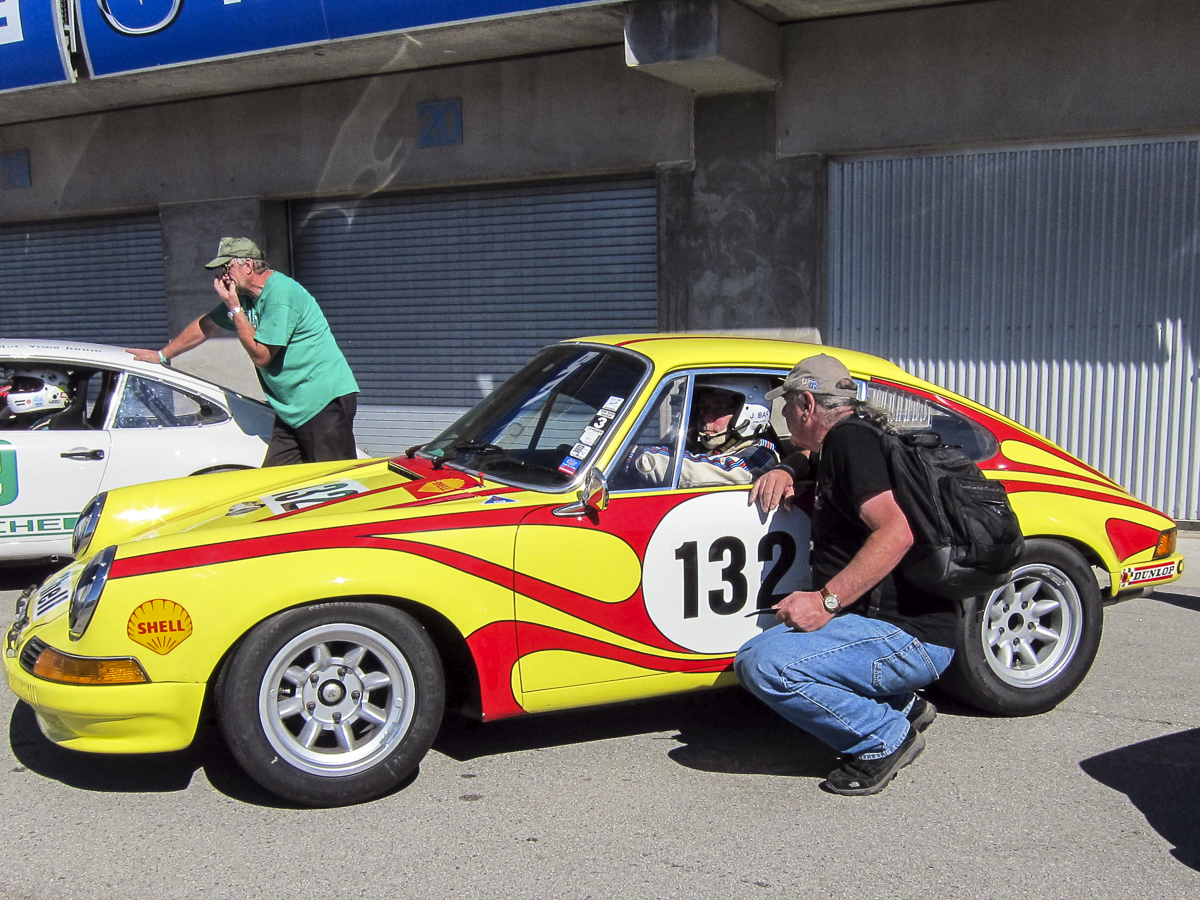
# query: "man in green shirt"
302,371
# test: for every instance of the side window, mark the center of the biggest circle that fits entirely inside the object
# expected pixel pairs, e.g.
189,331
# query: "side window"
908,412
146,403
648,459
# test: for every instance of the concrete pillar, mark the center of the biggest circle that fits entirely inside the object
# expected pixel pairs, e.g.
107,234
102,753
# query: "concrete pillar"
191,232
742,244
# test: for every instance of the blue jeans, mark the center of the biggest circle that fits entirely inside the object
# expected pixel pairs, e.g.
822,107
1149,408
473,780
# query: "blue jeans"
848,684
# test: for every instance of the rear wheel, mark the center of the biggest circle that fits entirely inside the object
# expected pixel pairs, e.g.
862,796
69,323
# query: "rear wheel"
332,704
1024,648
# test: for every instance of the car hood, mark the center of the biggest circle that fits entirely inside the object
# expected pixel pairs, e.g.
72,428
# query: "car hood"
289,500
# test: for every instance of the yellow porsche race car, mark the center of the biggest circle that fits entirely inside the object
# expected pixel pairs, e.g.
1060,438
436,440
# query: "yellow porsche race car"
559,546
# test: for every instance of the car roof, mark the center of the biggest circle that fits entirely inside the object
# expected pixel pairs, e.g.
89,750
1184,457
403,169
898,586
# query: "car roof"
675,351
74,353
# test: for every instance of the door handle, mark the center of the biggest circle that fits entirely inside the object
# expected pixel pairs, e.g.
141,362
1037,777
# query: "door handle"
83,454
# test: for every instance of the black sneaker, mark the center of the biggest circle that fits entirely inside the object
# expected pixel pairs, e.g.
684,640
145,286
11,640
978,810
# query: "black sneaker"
859,776
922,713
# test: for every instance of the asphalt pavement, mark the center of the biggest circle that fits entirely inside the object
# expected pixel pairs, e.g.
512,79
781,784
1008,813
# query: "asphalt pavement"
696,797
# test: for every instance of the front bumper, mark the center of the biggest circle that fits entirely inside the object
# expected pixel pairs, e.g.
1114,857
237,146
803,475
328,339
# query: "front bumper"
135,718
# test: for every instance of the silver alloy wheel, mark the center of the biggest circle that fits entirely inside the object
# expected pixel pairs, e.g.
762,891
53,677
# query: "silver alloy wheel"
1032,626
336,698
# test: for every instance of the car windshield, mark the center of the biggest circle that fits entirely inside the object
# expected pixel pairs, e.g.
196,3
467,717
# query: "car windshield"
542,426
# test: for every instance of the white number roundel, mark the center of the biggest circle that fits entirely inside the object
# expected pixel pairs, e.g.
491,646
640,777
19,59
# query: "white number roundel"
714,559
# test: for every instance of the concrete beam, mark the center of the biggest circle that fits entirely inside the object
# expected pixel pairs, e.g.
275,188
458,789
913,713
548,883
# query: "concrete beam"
710,46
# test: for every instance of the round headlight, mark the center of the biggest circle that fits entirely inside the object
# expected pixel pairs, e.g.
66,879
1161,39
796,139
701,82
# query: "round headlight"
86,524
87,591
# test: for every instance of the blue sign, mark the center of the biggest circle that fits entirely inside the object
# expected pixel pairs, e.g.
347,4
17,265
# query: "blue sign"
31,45
133,35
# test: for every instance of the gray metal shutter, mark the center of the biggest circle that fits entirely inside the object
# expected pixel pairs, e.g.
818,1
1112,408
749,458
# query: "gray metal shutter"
99,280
1060,286
437,298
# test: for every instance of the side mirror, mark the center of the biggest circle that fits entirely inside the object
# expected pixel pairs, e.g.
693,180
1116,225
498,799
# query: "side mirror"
593,499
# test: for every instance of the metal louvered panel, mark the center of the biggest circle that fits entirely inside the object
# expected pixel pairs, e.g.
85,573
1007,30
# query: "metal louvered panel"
1057,285
99,281
437,298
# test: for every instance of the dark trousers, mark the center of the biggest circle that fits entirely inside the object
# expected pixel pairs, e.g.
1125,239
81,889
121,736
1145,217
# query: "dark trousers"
327,436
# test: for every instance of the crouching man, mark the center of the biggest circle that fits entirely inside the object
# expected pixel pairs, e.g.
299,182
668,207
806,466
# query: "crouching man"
844,661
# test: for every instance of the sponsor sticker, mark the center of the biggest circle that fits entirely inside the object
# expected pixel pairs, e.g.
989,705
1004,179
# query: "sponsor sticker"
580,451
43,525
612,404
590,436
439,486
1143,574
492,501
159,625
569,465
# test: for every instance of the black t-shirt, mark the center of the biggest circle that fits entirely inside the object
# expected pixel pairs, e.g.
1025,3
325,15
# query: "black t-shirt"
850,467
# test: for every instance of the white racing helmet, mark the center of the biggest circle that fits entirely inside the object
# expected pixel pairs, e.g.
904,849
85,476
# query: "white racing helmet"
38,390
753,410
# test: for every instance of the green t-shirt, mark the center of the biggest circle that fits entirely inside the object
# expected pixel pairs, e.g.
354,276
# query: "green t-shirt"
309,369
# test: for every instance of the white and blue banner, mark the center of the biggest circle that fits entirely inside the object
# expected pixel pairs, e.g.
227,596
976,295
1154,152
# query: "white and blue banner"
32,51
133,35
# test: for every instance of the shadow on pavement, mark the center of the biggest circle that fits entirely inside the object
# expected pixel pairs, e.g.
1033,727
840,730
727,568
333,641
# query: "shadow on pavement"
719,731
1183,601
134,773
1161,777
19,577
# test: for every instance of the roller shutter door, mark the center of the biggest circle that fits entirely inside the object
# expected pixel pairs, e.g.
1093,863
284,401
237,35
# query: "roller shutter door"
437,298
98,281
1058,285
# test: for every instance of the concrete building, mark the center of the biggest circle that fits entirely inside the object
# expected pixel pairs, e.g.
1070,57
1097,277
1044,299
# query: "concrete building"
1002,196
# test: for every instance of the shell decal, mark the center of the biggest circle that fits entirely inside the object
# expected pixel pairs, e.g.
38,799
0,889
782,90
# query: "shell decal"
159,625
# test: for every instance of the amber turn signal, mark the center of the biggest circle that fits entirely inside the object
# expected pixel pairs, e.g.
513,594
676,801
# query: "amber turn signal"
66,669
1165,545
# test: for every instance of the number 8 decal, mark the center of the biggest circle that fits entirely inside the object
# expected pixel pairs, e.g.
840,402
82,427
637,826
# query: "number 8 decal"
713,559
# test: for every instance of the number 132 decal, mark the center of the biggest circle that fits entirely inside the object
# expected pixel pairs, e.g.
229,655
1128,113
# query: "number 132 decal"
713,559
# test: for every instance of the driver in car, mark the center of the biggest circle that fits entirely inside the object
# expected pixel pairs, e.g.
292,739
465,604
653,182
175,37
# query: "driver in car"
30,396
730,440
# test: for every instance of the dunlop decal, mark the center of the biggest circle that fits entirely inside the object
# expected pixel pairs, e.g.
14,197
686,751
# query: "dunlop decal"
1135,575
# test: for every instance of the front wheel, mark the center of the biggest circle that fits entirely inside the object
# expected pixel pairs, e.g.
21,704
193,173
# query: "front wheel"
332,704
1024,648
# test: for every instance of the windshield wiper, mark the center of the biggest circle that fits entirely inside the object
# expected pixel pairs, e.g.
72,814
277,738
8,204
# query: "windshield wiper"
467,446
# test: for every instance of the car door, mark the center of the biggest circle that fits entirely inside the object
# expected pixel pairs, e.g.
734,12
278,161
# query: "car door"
46,477
656,592
161,431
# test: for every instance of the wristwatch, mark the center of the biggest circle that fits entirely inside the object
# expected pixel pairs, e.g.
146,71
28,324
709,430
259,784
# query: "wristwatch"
233,312
831,601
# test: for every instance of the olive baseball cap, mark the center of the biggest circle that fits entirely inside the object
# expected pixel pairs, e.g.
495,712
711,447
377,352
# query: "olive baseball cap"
821,374
234,248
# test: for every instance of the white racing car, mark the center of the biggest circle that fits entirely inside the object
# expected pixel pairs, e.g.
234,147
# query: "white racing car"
77,419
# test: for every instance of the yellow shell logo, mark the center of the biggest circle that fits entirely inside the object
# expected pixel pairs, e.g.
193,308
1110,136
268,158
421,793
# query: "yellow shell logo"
160,625
441,486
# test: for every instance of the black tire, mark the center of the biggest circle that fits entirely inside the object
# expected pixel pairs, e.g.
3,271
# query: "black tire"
1024,648
332,704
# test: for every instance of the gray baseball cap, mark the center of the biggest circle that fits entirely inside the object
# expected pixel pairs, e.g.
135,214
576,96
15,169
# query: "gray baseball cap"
820,374
234,248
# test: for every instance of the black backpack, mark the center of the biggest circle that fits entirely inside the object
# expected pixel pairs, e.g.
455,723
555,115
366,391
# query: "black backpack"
966,537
